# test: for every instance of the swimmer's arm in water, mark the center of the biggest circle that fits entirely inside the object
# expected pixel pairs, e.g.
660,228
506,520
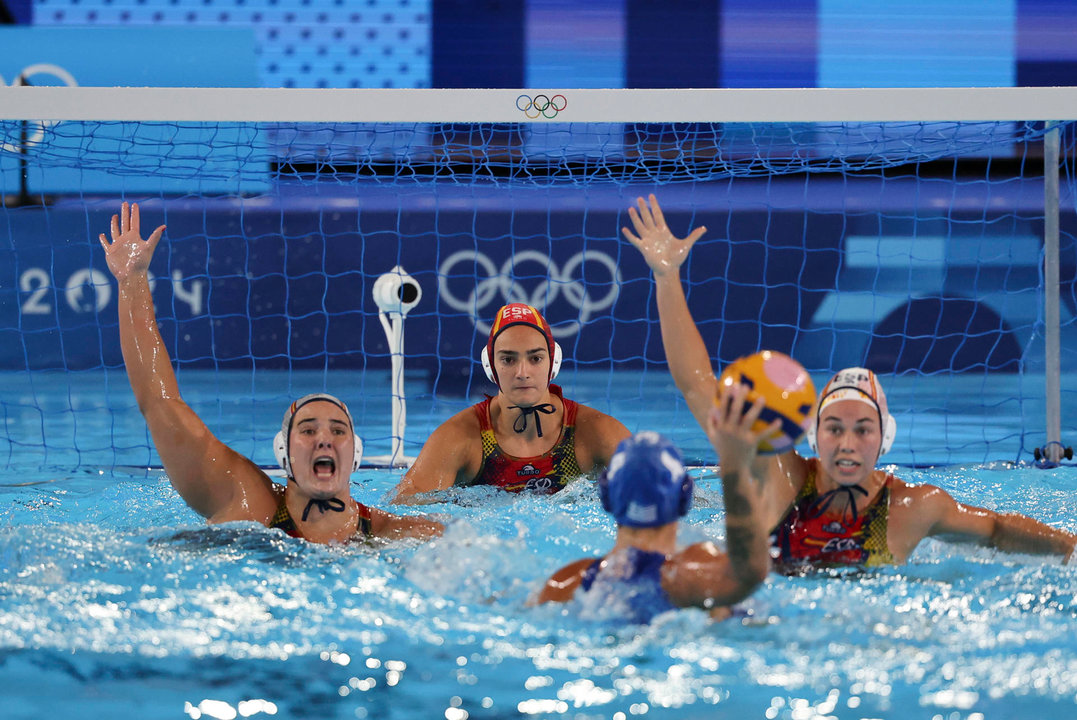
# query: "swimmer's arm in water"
388,525
205,472
562,584
451,454
1009,532
689,363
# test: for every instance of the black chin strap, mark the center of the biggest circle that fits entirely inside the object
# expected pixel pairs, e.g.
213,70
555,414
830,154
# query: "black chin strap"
333,504
520,424
820,506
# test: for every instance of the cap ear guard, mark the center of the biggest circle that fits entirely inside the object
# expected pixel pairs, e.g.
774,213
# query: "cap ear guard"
488,368
889,433
484,357
280,451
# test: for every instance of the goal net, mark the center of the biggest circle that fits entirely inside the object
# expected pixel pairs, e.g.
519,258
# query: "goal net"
901,230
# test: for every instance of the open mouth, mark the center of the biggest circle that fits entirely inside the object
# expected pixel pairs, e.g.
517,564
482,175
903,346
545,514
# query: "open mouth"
324,467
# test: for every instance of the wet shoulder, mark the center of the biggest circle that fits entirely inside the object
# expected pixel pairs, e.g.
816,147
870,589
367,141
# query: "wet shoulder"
598,433
256,498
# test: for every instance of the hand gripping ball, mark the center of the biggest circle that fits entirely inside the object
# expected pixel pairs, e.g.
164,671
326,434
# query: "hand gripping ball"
787,390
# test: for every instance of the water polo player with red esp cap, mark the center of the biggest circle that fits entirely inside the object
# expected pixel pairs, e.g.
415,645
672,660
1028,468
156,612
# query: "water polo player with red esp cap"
528,436
835,508
317,446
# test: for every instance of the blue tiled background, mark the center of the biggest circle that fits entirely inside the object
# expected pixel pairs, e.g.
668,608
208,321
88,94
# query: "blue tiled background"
621,43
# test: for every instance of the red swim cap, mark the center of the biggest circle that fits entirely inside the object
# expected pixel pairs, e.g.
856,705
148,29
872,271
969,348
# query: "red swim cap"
520,314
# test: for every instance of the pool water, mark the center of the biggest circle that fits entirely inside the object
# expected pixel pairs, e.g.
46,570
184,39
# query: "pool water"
116,600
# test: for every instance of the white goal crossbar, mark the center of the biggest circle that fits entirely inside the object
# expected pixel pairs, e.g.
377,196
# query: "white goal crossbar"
512,106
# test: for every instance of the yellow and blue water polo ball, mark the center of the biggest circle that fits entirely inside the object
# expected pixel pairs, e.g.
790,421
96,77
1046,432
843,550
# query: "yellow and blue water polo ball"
787,390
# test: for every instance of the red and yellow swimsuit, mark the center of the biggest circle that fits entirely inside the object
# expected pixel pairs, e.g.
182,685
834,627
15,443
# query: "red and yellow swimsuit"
808,535
282,520
546,473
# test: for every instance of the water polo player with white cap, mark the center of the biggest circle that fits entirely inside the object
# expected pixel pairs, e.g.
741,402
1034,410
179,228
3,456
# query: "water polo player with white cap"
841,514
836,508
527,437
317,445
647,490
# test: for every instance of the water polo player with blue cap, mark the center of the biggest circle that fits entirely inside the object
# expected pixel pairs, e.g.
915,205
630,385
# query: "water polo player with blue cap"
528,437
317,445
835,508
647,490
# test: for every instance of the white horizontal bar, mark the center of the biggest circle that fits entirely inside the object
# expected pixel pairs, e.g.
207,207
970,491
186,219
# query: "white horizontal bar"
502,106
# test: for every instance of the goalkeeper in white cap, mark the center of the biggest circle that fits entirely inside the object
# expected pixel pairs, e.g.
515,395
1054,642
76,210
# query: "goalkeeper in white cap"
317,445
836,508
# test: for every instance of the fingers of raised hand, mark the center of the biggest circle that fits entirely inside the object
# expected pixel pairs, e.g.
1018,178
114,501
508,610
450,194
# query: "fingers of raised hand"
644,212
731,399
115,227
125,217
751,414
770,431
155,236
696,235
656,210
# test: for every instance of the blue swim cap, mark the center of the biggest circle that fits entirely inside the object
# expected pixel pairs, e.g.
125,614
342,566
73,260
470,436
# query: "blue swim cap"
646,484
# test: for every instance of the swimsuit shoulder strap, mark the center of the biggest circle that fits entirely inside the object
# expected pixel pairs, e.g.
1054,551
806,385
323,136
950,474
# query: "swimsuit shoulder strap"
482,412
363,521
282,519
571,406
807,490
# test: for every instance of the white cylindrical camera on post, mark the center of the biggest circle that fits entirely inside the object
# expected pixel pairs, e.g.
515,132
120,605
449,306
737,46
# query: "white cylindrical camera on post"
397,292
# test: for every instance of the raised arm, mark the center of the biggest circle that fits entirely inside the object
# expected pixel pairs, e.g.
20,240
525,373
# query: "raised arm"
689,362
203,470
702,574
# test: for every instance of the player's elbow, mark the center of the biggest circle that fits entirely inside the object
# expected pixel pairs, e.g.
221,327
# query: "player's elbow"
412,487
404,494
750,575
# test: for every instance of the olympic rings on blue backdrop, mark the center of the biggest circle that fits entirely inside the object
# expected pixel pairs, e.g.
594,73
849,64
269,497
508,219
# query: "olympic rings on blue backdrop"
541,105
481,286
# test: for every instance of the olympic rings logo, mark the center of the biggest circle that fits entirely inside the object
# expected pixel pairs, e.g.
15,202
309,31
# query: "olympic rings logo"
29,71
500,284
541,105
